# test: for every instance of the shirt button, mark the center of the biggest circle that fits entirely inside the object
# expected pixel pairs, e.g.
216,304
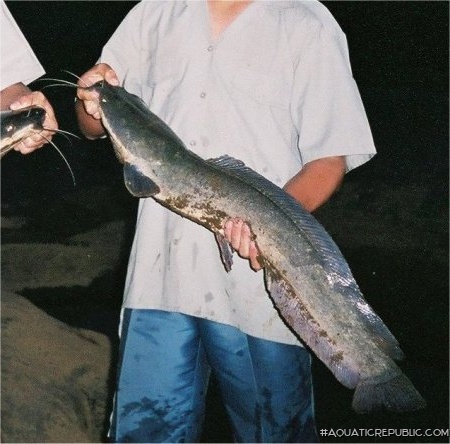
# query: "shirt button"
192,143
210,48
203,95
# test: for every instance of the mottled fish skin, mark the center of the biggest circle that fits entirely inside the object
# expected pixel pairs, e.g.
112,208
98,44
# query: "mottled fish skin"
18,125
306,275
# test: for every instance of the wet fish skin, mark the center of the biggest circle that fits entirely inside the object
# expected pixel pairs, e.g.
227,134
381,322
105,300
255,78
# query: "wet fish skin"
19,124
306,275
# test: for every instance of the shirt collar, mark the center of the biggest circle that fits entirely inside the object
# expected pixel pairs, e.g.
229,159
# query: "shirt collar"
278,4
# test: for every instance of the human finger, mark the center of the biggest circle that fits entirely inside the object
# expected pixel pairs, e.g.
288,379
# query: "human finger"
235,236
254,257
244,240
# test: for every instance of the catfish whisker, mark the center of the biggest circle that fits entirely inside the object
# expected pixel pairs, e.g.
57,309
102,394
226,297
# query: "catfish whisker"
62,155
63,84
77,77
63,133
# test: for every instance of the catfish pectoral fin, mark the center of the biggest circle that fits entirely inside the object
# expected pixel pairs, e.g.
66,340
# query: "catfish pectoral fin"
137,183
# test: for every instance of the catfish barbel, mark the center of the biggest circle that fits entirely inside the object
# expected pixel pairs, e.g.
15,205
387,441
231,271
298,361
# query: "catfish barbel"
307,277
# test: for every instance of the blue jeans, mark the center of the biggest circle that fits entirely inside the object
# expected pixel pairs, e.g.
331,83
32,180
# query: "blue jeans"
164,367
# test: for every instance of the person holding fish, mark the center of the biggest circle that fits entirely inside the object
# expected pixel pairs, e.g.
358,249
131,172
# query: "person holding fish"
268,83
19,67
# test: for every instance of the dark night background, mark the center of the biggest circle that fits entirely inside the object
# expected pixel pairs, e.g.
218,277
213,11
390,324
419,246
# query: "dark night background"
390,218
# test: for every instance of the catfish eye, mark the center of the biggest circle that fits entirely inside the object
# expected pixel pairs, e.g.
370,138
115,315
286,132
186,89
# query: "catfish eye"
10,128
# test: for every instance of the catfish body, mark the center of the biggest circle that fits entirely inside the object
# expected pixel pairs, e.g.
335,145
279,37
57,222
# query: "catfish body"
307,277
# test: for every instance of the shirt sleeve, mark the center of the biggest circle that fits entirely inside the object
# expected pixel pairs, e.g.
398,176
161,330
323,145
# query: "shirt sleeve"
18,61
126,51
121,51
328,110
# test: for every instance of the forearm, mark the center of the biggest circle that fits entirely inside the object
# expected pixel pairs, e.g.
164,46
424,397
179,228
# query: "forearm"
11,93
312,187
90,127
316,182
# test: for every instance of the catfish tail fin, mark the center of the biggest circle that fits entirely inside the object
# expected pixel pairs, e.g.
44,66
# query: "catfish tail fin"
396,394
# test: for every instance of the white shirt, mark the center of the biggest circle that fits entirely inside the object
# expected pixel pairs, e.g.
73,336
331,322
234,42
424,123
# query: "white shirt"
275,91
18,62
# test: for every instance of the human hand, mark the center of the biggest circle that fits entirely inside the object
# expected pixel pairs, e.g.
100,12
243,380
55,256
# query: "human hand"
50,124
239,234
99,72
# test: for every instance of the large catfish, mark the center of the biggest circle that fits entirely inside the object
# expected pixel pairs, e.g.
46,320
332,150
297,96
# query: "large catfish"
306,275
